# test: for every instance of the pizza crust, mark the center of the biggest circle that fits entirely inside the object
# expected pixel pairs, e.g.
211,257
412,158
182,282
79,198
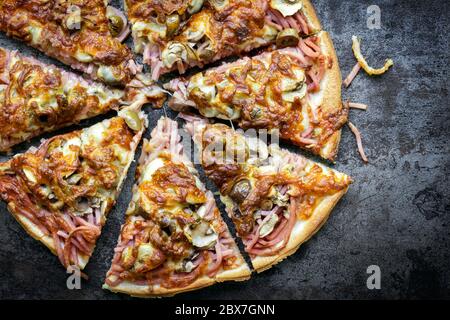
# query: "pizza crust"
310,14
147,291
302,232
330,98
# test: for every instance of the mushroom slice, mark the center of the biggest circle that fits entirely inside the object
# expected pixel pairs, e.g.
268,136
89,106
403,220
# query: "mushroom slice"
202,235
195,6
298,93
219,4
287,7
73,19
268,226
172,23
195,35
128,257
288,38
117,21
148,258
131,118
177,51
240,190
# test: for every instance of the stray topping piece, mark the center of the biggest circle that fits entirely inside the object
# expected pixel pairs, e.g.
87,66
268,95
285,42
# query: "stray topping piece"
363,63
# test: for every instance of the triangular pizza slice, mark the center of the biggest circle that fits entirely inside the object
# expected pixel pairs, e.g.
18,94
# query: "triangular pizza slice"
86,35
296,90
62,191
276,199
37,98
172,39
174,239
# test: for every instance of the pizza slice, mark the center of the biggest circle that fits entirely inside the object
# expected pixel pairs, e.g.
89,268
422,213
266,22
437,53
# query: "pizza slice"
154,22
222,28
62,191
276,199
174,239
86,35
37,98
294,90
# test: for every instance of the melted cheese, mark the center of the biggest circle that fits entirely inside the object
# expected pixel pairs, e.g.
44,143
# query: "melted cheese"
151,168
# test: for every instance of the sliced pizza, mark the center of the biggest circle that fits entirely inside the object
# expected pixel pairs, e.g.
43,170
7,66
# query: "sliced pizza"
276,199
174,239
86,35
154,22
62,191
222,28
295,90
37,98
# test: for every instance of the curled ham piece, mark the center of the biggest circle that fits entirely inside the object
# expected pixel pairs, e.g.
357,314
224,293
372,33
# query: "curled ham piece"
359,106
357,134
352,75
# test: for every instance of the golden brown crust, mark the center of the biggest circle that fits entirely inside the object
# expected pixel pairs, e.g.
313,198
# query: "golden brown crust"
145,291
302,231
333,89
311,16
330,95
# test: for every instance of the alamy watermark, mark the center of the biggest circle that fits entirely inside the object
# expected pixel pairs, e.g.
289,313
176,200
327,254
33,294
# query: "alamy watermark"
73,281
374,280
373,17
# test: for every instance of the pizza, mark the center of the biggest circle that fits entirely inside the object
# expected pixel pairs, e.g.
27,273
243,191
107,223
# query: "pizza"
62,191
178,35
86,35
154,22
276,199
174,239
37,98
295,90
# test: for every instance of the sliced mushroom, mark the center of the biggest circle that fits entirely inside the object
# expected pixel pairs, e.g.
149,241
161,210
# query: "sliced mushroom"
172,23
131,118
268,226
219,4
266,205
288,38
297,93
240,190
148,258
73,19
74,178
117,21
205,51
202,235
177,51
194,6
83,206
83,57
108,74
287,7
195,35
128,257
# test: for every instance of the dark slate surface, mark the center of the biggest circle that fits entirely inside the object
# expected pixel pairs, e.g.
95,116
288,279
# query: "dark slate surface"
396,214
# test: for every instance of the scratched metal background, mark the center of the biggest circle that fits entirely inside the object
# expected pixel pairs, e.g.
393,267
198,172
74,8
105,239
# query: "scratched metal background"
395,215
